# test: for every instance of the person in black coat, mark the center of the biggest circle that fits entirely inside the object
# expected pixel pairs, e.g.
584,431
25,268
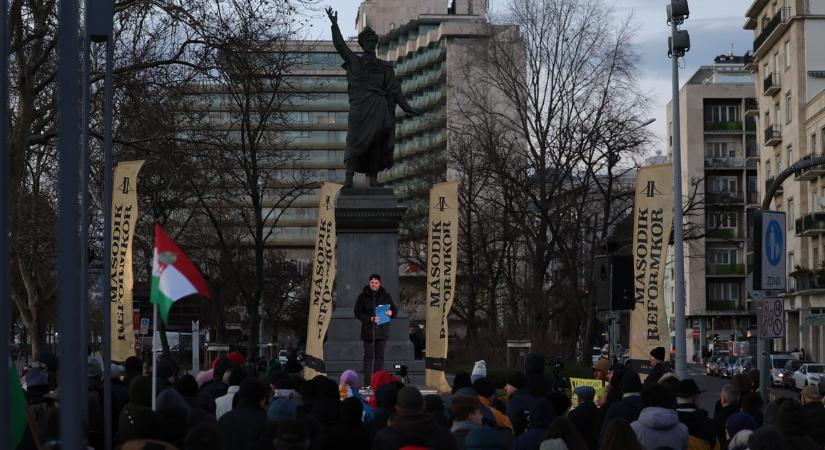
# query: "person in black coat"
729,405
412,426
630,406
241,428
699,425
659,366
585,416
374,336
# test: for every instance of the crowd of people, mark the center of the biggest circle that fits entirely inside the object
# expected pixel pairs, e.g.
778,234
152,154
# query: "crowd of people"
234,406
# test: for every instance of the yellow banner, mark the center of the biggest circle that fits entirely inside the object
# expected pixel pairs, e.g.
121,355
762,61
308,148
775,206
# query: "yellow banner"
598,385
124,216
653,219
442,264
323,279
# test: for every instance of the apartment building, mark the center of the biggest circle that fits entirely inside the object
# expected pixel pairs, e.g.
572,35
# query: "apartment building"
789,63
719,164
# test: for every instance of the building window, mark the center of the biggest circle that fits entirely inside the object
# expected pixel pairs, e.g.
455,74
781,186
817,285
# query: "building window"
778,163
822,140
790,220
723,184
788,108
724,256
767,170
722,220
721,113
720,149
777,117
727,291
787,55
790,155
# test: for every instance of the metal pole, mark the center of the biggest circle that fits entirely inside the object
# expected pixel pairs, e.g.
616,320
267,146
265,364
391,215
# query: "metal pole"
83,305
68,146
678,245
155,340
5,188
108,160
762,355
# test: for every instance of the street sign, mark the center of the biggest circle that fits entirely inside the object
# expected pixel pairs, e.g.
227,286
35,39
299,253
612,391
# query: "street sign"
773,318
144,326
770,248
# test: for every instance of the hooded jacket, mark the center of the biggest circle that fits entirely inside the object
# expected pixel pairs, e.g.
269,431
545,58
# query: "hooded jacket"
660,427
702,430
739,441
416,429
365,310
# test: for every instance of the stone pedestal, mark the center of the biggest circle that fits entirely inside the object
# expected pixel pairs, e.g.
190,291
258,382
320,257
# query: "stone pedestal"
367,227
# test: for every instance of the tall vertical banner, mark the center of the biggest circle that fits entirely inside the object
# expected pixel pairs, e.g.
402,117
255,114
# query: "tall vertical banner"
652,222
124,216
442,259
323,280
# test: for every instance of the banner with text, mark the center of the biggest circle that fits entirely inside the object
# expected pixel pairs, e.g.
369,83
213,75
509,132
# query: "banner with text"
124,217
653,219
323,279
442,260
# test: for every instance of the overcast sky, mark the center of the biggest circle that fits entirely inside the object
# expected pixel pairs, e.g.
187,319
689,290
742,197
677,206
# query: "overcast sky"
715,27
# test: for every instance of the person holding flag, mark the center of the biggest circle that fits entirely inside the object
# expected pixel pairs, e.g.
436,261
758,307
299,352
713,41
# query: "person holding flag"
174,277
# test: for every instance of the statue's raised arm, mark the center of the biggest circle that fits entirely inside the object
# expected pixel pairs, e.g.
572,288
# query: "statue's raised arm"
337,38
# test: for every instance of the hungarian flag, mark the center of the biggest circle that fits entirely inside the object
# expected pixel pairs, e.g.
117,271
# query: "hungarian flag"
18,409
173,274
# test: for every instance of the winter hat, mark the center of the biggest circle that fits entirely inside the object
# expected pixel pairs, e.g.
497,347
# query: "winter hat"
133,365
553,444
739,441
115,370
171,400
479,371
350,377
461,380
236,358
482,438
281,409
602,364
205,377
658,353
352,408
381,378
166,368
630,382
739,421
484,387
517,380
585,393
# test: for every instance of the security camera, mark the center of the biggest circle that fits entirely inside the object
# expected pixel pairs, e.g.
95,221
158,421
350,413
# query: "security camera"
680,45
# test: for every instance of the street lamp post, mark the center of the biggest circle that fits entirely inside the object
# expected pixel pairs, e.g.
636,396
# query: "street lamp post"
678,45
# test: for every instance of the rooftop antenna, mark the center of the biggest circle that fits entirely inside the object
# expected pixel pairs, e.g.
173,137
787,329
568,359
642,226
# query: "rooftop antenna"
731,49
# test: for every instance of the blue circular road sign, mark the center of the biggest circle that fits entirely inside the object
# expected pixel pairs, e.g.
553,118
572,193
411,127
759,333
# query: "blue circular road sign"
774,243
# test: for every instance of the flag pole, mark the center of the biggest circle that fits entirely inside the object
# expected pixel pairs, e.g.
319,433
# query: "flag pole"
154,357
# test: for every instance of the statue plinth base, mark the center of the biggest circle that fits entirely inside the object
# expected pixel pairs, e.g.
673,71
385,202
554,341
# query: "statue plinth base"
367,232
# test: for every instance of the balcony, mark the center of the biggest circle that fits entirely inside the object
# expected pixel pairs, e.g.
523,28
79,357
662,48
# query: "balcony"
726,269
773,135
811,224
768,184
724,198
777,21
730,127
725,163
751,107
722,233
722,305
771,84
810,173
806,279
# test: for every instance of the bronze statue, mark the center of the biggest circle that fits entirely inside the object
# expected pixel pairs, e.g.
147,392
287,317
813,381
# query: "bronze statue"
374,91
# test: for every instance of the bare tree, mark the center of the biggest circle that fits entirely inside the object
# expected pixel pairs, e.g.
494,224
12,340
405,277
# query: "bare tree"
557,89
251,172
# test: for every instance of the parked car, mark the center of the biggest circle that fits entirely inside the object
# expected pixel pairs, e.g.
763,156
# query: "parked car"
778,363
807,374
787,372
726,366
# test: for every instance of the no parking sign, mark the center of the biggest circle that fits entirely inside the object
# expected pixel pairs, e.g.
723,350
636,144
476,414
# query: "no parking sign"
773,318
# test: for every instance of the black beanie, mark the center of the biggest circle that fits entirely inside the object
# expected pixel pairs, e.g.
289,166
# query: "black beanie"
658,353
